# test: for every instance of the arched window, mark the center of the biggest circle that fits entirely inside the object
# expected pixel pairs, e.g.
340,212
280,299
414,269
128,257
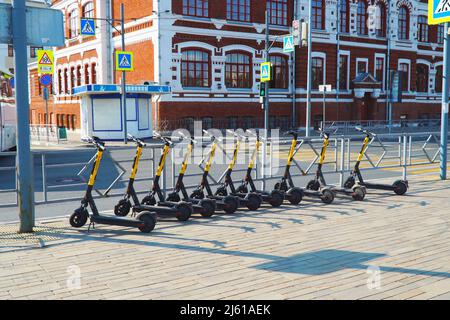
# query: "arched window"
403,23
277,12
422,78
318,14
197,8
66,81
422,29
88,10
78,76
344,15
438,79
72,79
86,74
381,20
280,72
238,10
238,70
60,82
361,18
404,69
317,72
73,24
94,73
195,68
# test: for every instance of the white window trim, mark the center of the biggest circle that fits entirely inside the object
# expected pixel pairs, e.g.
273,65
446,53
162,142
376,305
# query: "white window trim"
347,54
408,62
358,60
383,81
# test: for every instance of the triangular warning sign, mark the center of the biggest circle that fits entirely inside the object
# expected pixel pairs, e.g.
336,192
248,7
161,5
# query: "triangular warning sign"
288,44
125,63
87,29
265,72
45,59
443,6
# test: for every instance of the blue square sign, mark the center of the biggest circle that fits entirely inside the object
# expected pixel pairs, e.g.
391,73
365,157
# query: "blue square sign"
87,27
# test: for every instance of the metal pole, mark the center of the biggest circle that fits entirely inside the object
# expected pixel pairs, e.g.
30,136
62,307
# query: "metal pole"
124,77
388,67
309,74
323,110
24,155
46,95
445,102
266,108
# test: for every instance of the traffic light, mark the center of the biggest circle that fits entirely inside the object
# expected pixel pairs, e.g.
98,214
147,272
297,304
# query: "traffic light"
262,89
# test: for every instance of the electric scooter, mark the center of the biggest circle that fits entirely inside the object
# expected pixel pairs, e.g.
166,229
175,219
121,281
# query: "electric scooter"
400,187
294,194
206,207
357,192
274,198
251,200
145,221
181,210
229,203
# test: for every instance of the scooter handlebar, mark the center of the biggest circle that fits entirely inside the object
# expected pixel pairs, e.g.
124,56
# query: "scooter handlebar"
136,140
367,132
95,141
165,139
186,137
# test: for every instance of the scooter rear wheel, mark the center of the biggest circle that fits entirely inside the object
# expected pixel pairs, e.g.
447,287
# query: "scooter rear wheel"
122,209
253,201
400,187
276,198
358,193
209,208
327,196
149,221
79,218
184,212
231,204
295,196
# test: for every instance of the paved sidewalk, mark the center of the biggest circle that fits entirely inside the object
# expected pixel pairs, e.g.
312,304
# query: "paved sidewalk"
387,247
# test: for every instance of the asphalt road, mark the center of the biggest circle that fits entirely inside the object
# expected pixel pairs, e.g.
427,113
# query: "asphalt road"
62,181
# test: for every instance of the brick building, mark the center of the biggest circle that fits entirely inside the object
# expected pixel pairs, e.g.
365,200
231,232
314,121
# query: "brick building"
210,52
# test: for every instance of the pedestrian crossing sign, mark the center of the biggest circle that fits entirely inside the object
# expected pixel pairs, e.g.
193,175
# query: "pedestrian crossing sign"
124,61
45,60
438,11
87,27
288,44
266,72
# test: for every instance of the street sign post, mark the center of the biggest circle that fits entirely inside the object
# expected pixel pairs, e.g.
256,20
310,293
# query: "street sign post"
45,60
266,71
87,27
324,89
288,44
124,61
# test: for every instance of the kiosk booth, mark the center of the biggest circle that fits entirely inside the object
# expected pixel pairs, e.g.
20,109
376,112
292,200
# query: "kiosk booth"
102,113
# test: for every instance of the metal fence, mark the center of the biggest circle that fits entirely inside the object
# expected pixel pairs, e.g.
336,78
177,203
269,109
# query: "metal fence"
384,152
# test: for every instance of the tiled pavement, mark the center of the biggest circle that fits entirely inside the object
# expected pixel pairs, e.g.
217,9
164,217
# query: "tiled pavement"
387,247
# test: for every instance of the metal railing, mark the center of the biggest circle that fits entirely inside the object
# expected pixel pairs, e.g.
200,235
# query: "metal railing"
385,152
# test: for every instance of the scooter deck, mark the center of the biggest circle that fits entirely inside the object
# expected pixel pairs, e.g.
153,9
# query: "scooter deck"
115,221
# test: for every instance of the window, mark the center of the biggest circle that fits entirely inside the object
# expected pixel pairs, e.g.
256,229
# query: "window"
317,72
78,76
381,20
94,73
88,10
72,79
422,78
403,23
422,29
73,24
198,8
195,68
238,10
361,66
343,72
404,68
280,72
60,81
277,12
86,74
10,50
361,18
318,14
438,79
440,34
238,70
379,69
33,51
66,81
344,16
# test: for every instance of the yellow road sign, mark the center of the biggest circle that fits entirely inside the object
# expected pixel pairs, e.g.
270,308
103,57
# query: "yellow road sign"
266,72
124,61
46,61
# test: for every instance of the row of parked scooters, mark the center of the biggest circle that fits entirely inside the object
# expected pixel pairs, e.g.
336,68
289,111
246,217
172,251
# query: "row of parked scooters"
227,198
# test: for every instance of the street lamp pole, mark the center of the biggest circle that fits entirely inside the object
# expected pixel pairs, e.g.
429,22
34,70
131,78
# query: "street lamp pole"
124,79
309,75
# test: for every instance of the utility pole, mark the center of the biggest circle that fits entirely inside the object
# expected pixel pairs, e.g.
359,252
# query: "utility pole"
24,155
267,58
309,80
124,77
445,102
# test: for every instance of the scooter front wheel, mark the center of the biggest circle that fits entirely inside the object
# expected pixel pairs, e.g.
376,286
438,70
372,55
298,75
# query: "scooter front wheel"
295,196
327,196
173,197
358,193
149,201
79,218
122,209
349,183
149,222
400,187
184,212
313,185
